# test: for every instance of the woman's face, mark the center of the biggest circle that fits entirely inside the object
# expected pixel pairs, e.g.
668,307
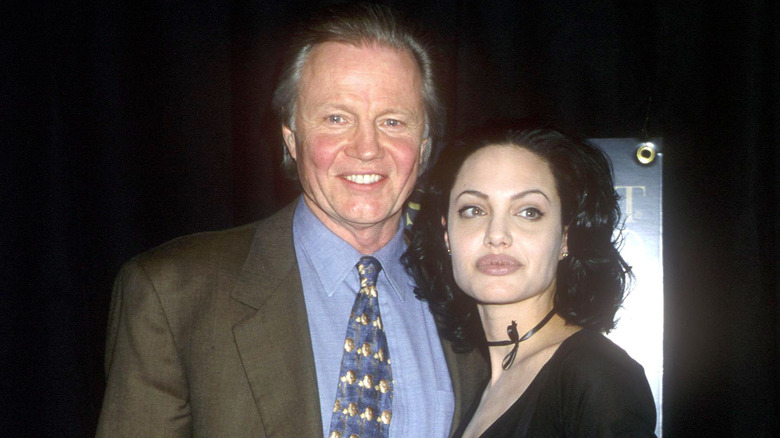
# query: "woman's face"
504,226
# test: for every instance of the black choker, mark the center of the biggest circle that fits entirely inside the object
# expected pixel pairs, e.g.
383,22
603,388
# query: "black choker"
513,339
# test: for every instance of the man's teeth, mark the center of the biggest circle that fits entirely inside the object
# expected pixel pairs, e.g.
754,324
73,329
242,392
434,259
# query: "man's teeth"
364,179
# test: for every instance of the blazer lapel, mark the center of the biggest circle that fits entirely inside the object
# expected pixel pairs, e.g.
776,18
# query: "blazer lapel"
274,343
468,372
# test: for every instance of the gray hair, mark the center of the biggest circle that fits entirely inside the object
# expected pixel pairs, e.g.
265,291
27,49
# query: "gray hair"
358,25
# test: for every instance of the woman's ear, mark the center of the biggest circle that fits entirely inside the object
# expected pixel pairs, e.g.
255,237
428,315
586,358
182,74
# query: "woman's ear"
446,234
564,244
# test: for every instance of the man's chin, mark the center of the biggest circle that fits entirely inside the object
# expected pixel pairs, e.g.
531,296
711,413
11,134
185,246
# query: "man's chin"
356,216
368,218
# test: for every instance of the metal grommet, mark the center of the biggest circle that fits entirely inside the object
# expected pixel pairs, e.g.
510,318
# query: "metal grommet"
645,153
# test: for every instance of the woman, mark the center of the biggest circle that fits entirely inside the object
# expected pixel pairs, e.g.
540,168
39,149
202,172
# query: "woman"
514,250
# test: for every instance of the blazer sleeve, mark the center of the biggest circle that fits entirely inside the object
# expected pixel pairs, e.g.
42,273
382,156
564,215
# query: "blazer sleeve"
146,390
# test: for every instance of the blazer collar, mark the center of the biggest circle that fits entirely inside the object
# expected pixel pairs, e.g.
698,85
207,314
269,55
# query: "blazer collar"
274,343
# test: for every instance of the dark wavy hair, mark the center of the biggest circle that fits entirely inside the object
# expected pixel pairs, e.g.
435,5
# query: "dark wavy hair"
591,282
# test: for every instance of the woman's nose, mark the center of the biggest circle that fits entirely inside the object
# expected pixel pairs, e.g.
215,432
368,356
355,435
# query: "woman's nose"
498,233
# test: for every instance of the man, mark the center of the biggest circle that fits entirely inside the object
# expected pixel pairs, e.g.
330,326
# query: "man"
242,332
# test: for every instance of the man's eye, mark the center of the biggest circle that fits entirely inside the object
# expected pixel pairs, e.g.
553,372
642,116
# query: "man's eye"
335,119
393,123
470,211
531,213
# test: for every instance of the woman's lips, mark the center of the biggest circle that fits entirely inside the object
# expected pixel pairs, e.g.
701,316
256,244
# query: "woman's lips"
497,264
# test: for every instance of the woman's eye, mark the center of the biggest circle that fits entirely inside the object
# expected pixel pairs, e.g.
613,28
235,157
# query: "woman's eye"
335,119
531,213
470,211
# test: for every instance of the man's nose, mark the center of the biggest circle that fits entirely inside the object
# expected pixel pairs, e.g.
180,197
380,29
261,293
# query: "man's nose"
365,143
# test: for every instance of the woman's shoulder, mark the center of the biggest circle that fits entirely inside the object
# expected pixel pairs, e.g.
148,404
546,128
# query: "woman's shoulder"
598,388
589,352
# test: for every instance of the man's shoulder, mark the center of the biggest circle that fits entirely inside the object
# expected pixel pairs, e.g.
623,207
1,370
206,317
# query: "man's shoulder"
223,249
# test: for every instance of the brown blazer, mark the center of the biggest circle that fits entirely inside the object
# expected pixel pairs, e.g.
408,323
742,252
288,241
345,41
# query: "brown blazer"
208,336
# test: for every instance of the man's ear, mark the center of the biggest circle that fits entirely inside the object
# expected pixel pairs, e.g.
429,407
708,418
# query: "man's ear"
423,147
289,140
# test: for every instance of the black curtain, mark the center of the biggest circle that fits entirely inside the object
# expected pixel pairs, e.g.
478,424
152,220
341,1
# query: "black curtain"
125,124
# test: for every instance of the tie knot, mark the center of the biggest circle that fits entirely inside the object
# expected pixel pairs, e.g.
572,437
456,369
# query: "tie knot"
368,268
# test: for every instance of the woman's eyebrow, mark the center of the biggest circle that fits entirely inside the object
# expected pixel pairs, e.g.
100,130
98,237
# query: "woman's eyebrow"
476,193
516,196
529,192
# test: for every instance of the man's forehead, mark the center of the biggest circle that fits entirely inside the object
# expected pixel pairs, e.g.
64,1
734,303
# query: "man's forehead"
367,46
333,64
331,54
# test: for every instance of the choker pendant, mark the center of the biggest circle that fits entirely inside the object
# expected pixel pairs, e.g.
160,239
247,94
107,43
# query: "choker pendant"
511,330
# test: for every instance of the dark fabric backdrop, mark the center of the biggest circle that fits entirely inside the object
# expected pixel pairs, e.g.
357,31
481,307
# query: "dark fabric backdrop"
125,124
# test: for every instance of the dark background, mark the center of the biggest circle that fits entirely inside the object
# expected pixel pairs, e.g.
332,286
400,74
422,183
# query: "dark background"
125,124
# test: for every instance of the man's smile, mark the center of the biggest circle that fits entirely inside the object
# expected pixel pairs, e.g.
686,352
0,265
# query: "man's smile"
364,178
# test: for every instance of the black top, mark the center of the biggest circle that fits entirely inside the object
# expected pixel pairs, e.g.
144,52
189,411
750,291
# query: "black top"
590,387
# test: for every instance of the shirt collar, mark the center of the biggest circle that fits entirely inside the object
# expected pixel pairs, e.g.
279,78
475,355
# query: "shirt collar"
332,259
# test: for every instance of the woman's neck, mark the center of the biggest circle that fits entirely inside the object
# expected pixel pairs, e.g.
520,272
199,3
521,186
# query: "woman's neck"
497,318
507,385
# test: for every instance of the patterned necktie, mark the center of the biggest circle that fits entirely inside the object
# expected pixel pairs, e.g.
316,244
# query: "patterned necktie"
365,389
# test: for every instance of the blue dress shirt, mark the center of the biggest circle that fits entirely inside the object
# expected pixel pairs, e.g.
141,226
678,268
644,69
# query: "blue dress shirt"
423,401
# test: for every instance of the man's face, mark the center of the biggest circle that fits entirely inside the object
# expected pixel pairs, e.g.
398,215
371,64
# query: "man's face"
359,125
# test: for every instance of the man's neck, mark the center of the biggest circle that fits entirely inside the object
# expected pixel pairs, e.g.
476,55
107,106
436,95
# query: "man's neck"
366,239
